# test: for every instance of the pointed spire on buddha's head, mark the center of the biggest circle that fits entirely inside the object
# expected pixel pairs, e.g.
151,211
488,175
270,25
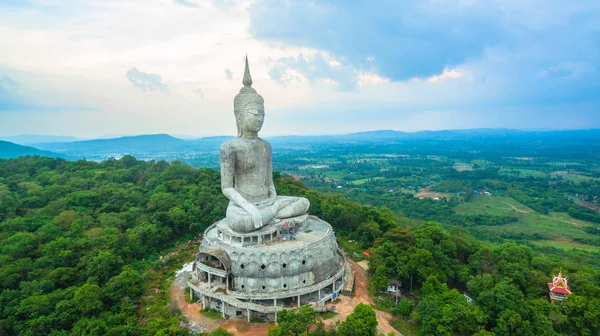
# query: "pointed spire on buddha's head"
247,81
248,97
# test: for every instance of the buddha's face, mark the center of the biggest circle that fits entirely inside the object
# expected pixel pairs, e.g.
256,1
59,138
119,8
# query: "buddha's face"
253,119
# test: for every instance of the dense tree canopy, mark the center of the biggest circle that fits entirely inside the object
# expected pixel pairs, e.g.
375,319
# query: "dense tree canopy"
76,239
73,236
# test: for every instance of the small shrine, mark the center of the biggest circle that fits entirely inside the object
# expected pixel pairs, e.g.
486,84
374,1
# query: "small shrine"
559,289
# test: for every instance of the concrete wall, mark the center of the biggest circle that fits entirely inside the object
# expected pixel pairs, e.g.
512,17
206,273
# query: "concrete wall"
280,267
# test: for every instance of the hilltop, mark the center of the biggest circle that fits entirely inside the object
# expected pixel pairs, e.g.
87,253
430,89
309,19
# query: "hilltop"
11,150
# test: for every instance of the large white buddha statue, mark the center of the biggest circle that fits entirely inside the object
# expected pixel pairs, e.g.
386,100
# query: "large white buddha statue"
247,170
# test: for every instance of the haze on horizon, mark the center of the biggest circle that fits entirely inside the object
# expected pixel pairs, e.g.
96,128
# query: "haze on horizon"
122,67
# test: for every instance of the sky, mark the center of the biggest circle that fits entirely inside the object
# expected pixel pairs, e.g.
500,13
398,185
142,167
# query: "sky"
97,68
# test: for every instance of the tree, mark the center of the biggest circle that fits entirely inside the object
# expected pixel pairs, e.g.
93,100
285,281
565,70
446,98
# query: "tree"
127,283
292,322
446,312
362,322
369,231
104,265
401,237
66,218
88,298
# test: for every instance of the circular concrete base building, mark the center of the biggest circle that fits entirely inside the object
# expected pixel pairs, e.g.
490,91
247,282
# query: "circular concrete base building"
282,265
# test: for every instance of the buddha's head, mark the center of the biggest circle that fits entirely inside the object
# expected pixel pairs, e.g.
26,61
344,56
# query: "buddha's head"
248,106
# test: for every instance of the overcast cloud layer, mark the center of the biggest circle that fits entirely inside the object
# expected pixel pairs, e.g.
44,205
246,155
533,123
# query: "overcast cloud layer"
101,67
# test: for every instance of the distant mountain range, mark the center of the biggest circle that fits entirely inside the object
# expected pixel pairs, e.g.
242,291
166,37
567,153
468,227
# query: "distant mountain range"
164,146
136,143
30,139
11,150
141,146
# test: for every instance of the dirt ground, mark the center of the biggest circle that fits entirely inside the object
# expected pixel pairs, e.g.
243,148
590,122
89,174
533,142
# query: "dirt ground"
346,304
364,264
425,193
196,322
241,327
343,307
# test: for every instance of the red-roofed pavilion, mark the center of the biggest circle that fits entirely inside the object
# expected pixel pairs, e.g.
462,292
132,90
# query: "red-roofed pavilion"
559,289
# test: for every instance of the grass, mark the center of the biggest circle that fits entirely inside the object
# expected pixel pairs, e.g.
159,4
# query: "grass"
523,172
327,315
572,177
365,180
335,174
187,297
402,324
349,247
384,304
462,166
211,313
405,326
566,245
557,229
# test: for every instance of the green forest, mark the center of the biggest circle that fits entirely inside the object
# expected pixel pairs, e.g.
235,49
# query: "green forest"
82,244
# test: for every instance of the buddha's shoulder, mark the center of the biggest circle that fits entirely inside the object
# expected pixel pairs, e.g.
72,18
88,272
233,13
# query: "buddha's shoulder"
267,144
231,144
240,143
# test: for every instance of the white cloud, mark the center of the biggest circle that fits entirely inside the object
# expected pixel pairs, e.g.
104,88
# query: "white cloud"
79,52
447,74
366,78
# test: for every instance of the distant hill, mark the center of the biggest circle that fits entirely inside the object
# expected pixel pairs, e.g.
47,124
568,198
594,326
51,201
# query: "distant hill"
478,134
166,147
118,146
10,150
31,139
377,134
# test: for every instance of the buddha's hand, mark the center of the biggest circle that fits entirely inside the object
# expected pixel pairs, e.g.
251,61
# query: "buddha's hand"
255,215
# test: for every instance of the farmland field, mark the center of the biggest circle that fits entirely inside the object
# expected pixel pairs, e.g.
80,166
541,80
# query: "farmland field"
556,229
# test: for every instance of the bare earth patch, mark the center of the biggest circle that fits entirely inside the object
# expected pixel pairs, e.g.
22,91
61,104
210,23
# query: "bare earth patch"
425,193
196,322
345,305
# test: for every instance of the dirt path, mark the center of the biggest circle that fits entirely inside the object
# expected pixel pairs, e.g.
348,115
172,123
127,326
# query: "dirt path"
345,305
573,222
568,222
515,208
588,205
196,322
362,296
